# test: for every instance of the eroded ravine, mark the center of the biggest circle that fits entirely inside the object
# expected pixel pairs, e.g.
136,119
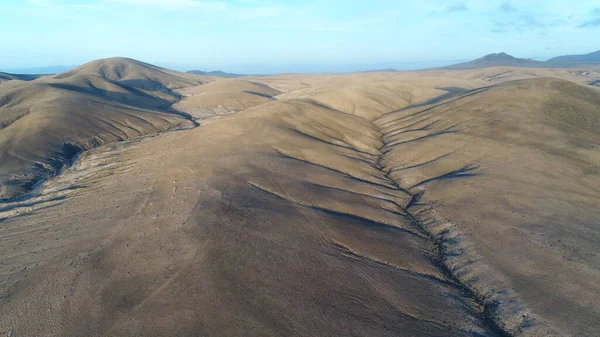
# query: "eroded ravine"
310,221
502,176
302,226
420,216
53,189
408,208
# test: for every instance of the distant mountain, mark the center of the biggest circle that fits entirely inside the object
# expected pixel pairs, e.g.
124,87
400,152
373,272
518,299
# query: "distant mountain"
505,60
218,73
590,58
495,60
596,83
8,77
40,70
44,122
386,70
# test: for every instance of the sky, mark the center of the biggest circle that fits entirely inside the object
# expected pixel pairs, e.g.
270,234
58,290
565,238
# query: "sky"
267,36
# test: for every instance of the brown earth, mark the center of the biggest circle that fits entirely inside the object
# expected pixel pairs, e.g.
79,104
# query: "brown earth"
387,204
45,122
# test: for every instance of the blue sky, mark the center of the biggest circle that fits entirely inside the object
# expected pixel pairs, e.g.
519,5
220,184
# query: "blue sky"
266,36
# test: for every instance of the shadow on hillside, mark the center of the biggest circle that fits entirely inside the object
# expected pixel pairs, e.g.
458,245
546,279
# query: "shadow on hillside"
452,94
130,96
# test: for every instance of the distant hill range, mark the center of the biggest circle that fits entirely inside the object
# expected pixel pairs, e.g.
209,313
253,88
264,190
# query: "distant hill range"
218,73
10,77
40,70
590,58
495,60
505,60
386,70
45,121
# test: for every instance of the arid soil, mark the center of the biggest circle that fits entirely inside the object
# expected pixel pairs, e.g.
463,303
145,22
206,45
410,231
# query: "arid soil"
439,203
44,122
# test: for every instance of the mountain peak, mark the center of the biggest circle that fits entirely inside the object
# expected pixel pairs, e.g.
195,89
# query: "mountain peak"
496,60
114,68
498,57
130,74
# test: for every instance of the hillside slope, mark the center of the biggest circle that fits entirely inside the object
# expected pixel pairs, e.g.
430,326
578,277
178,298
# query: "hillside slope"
43,123
272,222
131,73
224,96
388,204
9,77
513,187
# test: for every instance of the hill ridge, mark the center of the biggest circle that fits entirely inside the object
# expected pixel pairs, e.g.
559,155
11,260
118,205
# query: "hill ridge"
494,60
97,103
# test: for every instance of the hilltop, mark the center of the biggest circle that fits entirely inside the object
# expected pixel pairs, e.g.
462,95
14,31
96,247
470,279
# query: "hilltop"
495,60
45,121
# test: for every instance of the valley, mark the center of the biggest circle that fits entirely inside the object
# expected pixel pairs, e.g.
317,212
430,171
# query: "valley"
433,203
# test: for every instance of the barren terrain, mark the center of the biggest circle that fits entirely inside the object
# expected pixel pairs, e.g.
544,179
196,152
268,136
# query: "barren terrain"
435,203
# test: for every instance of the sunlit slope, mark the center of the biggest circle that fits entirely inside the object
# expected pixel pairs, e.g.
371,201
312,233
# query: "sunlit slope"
367,96
416,204
495,75
511,174
224,96
274,222
43,123
148,78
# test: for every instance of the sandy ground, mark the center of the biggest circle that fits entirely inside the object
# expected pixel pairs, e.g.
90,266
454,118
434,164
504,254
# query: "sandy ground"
410,204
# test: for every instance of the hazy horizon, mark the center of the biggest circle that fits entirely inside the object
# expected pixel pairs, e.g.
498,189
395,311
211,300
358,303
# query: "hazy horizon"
268,37
267,69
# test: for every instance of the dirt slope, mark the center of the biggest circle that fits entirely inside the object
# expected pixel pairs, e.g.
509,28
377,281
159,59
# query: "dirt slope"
401,204
276,221
9,77
43,123
224,96
131,73
513,170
